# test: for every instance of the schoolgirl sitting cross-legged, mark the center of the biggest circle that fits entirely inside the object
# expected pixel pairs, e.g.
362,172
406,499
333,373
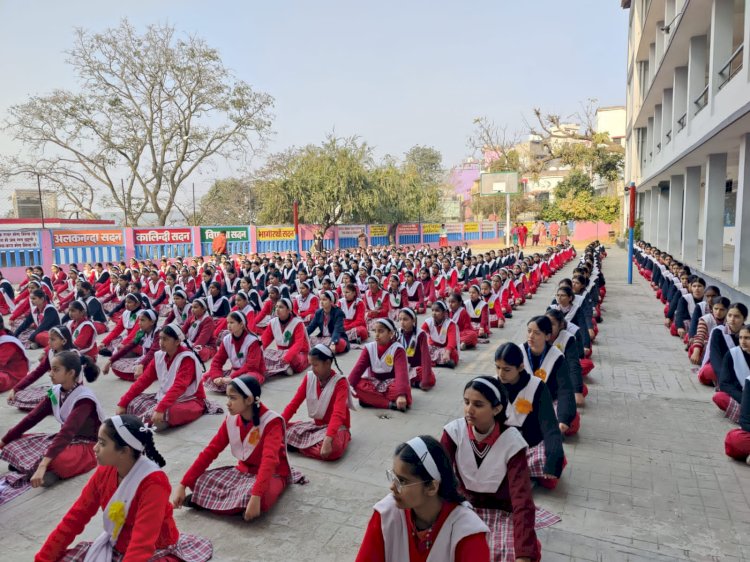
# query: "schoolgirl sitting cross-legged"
329,399
68,452
133,493
530,409
242,349
180,398
380,378
489,458
425,517
256,438
414,341
735,370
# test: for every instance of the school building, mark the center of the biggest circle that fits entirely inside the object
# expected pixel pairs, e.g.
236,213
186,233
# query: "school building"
688,131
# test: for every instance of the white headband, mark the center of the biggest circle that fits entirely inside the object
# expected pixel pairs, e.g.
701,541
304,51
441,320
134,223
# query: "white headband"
490,385
243,387
324,349
177,330
420,449
130,439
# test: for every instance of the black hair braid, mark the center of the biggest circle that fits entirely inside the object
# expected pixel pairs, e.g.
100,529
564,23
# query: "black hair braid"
195,353
149,448
90,368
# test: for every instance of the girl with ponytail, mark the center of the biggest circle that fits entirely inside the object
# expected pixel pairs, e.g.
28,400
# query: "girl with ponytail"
256,438
126,326
135,353
242,349
13,361
180,398
329,399
443,337
24,396
425,516
41,458
83,329
130,487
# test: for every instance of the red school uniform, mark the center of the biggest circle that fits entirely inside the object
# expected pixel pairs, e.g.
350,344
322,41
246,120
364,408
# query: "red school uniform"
268,460
149,524
387,375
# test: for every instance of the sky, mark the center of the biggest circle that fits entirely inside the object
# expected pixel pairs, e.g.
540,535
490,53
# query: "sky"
394,73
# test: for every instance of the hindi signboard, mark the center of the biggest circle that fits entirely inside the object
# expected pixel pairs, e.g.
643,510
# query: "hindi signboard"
266,233
145,236
233,233
82,238
19,240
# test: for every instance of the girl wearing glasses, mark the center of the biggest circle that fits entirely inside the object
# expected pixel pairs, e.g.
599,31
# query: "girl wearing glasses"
424,517
490,461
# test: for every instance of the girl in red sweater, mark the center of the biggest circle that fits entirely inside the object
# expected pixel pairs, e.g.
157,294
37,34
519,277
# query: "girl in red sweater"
68,452
133,494
126,324
180,398
414,293
199,330
82,329
380,377
134,355
496,317
243,351
13,362
397,297
442,337
376,301
354,315
490,461
414,342
424,516
289,335
25,398
329,399
478,312
306,303
255,436
468,336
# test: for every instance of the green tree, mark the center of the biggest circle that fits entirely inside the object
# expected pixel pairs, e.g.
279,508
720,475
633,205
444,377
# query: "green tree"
575,184
228,201
153,109
330,182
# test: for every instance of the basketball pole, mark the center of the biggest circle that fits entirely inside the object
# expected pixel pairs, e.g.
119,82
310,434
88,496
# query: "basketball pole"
507,220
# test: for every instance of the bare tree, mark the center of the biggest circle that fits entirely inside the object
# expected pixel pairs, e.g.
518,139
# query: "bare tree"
152,109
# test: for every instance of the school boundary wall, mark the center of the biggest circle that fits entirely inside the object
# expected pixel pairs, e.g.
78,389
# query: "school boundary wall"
22,248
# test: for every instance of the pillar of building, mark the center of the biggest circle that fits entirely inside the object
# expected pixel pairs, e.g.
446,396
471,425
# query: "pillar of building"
713,212
646,216
691,206
741,272
674,230
721,43
662,217
696,72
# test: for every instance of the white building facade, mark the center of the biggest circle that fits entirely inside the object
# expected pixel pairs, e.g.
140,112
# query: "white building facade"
688,131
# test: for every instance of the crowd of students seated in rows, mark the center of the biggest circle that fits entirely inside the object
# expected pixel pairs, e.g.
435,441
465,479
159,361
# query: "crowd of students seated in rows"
226,325
714,332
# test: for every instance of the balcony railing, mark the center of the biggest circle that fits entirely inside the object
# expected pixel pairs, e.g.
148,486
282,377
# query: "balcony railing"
668,137
702,100
732,67
681,122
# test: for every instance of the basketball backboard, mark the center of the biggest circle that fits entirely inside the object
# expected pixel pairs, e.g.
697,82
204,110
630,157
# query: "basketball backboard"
498,183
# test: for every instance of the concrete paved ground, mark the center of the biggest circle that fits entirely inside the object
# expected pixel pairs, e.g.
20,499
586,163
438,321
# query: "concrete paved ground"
646,480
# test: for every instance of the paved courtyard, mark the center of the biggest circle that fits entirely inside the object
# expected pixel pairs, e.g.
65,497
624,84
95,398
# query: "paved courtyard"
646,479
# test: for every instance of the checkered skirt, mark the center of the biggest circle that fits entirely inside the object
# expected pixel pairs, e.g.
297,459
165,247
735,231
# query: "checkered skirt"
351,335
315,340
12,485
114,344
500,524
536,457
26,453
439,355
24,337
733,410
210,386
305,434
126,364
190,548
228,489
143,405
28,398
274,359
